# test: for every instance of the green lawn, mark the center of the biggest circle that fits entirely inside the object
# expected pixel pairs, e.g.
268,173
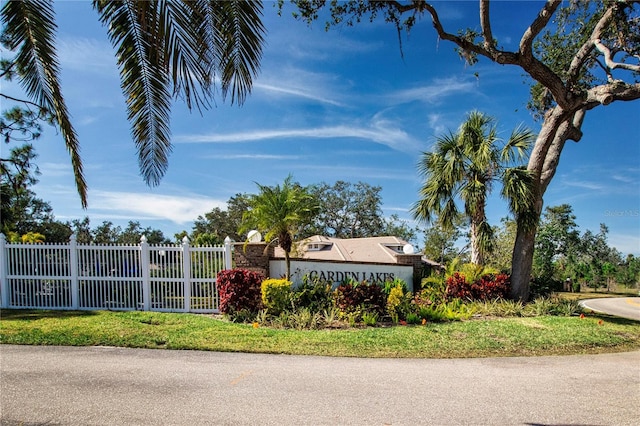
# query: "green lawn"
547,335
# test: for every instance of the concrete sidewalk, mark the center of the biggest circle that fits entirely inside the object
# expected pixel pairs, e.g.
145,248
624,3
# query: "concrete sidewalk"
114,386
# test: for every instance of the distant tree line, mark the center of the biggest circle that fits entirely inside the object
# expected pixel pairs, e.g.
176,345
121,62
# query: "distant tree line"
344,210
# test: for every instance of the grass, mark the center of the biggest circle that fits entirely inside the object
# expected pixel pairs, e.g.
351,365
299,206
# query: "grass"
546,335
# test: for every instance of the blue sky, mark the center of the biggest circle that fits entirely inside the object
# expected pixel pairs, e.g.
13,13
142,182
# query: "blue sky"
326,106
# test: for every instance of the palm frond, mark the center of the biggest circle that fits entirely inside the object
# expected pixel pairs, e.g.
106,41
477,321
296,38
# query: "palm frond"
185,27
518,189
485,237
135,30
518,146
239,39
29,28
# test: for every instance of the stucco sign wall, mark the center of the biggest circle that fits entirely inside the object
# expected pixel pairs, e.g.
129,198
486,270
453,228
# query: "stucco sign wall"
337,272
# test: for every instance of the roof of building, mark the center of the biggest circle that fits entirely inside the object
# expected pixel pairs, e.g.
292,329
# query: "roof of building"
373,249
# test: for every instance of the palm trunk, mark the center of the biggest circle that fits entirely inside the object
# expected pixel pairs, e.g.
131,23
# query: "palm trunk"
476,253
478,239
286,243
287,262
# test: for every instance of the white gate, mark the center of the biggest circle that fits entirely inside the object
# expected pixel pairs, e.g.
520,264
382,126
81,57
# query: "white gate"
118,277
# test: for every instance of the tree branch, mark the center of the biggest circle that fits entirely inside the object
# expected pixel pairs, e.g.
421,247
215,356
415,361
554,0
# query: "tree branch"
608,58
538,24
485,23
616,91
582,54
569,129
494,55
11,98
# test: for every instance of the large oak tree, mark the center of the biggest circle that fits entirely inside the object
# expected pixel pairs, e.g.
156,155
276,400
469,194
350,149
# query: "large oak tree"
580,55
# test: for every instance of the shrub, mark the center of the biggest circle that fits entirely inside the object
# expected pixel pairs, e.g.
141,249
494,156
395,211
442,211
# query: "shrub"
331,316
239,290
539,307
391,284
541,287
313,294
398,303
302,319
276,295
364,296
413,318
510,308
458,287
568,307
553,306
243,316
370,318
490,287
474,272
487,287
394,301
434,290
448,311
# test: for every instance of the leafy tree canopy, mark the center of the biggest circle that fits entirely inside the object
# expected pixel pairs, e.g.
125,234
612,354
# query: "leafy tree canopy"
348,210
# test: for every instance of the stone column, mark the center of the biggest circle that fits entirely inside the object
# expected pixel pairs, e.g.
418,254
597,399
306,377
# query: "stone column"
414,260
253,257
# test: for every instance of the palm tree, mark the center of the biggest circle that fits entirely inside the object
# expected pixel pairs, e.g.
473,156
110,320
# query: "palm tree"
165,49
464,166
280,212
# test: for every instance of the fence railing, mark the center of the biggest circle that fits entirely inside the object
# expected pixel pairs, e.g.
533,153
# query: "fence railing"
118,277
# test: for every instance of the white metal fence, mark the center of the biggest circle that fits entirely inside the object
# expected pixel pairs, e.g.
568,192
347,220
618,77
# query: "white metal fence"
118,277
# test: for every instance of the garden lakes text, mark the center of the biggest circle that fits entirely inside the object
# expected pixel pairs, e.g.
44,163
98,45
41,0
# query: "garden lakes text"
339,276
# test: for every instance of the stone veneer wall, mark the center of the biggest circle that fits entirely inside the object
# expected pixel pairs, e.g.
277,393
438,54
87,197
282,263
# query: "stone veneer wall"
253,256
414,260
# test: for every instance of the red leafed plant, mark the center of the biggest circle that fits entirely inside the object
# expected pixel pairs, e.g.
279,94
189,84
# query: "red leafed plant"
239,289
487,287
370,297
458,287
491,287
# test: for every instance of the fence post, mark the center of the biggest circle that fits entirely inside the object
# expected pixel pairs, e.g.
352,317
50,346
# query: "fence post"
186,268
73,265
227,253
144,272
4,282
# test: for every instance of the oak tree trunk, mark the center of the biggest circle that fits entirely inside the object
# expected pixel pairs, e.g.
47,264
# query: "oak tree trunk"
558,126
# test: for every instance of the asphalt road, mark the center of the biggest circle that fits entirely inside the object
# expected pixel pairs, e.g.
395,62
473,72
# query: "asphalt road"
624,307
115,386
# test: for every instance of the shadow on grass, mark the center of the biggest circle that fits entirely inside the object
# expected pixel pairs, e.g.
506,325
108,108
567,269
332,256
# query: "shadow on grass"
613,319
35,314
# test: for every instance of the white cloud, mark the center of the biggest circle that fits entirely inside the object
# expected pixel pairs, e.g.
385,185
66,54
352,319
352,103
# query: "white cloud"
87,55
435,92
592,186
379,130
177,209
50,170
253,157
436,122
298,82
296,92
